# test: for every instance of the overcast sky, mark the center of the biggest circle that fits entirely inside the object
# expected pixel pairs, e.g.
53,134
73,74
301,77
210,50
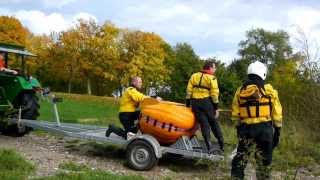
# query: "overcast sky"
213,28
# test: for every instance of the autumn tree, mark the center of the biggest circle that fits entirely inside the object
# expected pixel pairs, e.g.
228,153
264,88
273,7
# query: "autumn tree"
142,54
12,31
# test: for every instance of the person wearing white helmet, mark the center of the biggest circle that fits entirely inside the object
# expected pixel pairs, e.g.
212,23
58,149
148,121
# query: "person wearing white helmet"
257,111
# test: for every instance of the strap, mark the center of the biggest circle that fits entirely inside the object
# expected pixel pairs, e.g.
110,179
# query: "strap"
202,87
254,104
270,105
199,85
257,110
248,111
200,80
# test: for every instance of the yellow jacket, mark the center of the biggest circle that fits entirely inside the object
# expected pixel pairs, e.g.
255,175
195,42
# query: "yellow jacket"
130,100
276,110
202,85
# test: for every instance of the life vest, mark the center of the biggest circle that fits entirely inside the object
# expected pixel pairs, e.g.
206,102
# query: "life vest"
253,102
200,85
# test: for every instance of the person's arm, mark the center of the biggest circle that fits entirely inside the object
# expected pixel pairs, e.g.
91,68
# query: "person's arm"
276,110
235,107
189,92
276,117
214,92
9,70
136,95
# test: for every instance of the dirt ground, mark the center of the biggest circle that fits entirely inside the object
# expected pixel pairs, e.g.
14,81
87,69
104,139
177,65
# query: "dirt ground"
46,152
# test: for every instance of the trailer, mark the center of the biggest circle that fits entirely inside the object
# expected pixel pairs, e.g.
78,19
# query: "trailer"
142,150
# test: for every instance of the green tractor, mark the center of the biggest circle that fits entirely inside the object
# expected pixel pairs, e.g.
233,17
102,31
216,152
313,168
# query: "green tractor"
18,92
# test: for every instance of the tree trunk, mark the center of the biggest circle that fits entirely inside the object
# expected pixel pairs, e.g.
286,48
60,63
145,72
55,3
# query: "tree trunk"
69,86
89,86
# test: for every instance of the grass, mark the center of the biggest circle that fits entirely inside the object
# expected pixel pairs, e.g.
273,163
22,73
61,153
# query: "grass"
89,175
70,166
14,166
74,171
81,109
296,148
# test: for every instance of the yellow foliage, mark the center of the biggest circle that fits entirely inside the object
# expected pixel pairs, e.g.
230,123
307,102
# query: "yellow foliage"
12,31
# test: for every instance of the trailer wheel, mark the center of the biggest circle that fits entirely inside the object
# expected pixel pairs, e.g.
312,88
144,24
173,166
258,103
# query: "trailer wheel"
141,156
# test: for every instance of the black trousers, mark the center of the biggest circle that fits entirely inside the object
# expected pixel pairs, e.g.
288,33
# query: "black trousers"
255,138
204,112
127,120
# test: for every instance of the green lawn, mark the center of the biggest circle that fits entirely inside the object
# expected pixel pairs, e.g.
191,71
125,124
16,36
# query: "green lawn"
14,166
81,109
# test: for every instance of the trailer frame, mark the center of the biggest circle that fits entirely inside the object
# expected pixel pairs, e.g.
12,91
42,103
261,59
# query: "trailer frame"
142,150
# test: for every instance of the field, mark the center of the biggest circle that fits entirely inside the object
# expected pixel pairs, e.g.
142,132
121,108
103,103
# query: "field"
289,158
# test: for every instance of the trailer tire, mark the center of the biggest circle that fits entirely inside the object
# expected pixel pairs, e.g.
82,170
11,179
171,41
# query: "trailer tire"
140,155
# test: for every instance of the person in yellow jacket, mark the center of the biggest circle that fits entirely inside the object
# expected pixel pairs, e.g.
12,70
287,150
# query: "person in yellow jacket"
203,96
128,113
257,111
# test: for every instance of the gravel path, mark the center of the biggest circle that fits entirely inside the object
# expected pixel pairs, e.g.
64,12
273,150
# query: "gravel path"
47,152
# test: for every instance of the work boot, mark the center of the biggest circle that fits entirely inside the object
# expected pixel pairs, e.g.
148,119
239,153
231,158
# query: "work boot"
209,146
221,145
110,130
212,150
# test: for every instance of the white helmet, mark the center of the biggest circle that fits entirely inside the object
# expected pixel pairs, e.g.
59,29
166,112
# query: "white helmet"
258,68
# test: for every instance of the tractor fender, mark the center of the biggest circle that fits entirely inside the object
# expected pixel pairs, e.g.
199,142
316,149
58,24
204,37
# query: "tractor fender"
151,140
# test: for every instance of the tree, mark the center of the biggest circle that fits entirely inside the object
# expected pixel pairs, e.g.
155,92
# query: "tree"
40,46
309,60
184,63
228,81
12,31
265,46
142,54
239,67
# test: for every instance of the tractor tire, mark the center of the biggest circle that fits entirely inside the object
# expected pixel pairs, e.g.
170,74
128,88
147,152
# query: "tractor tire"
29,103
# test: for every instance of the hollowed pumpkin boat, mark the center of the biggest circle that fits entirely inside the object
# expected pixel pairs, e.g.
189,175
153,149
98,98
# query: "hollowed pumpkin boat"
166,121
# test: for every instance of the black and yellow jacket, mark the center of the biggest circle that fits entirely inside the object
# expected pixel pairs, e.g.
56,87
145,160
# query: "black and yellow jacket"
130,100
275,108
202,85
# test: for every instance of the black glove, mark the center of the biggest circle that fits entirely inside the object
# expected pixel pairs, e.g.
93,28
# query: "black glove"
188,102
215,106
276,136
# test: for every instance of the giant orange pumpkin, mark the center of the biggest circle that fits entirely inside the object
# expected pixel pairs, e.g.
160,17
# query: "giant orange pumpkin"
166,121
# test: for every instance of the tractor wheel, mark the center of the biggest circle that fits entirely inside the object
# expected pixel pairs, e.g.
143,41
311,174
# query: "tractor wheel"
30,106
30,110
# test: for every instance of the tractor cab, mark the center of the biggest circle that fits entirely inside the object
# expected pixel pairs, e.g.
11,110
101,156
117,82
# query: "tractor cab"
18,92
19,53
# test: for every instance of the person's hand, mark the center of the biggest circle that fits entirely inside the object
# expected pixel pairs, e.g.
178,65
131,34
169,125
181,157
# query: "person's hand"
188,103
216,116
